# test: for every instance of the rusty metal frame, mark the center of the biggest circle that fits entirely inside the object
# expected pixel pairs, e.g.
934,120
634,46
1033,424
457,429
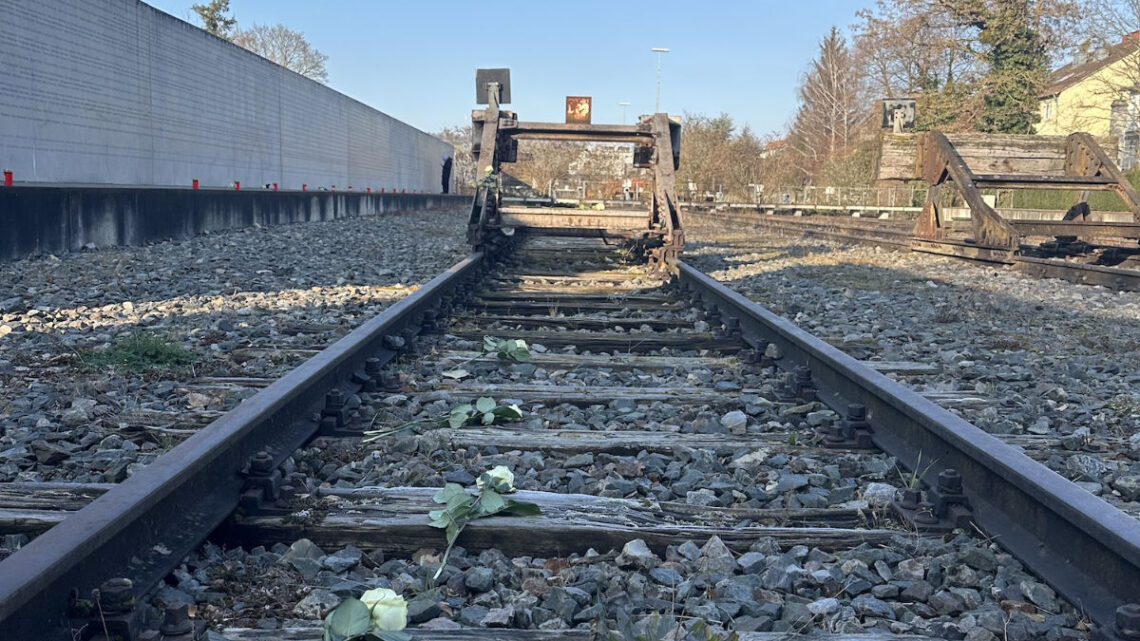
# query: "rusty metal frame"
496,132
1087,167
939,162
1084,157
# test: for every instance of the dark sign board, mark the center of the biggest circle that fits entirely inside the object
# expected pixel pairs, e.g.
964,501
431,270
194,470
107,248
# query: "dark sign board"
902,108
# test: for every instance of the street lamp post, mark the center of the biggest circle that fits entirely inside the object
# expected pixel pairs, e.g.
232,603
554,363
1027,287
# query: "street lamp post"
658,51
623,106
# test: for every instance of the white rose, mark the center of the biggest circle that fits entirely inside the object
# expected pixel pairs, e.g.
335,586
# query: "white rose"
501,478
389,610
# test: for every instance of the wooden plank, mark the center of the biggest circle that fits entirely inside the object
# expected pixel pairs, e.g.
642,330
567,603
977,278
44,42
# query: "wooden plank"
544,307
903,367
585,322
592,395
603,275
466,634
619,442
640,511
50,496
571,361
397,522
505,634
607,342
572,297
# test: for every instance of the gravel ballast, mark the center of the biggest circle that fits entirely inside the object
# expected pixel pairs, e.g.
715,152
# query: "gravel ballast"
248,303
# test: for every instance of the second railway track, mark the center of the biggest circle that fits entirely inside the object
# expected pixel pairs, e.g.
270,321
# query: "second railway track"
898,235
691,454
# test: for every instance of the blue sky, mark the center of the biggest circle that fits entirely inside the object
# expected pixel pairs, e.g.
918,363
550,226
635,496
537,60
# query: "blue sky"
416,60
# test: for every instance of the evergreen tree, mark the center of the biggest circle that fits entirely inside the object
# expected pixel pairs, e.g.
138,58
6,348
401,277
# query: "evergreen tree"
214,18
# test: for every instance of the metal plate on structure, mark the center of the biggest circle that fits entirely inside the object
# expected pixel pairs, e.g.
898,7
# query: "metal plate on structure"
501,76
578,109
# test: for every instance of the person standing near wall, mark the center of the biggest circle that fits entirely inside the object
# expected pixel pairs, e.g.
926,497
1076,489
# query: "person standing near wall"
446,173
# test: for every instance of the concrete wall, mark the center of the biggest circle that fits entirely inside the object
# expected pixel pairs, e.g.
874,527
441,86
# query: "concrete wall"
40,220
115,91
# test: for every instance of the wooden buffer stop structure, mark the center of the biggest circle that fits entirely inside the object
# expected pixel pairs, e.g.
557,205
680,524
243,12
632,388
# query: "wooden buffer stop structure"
654,232
963,165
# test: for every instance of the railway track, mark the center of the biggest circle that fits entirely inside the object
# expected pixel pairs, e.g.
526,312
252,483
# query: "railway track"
897,235
690,452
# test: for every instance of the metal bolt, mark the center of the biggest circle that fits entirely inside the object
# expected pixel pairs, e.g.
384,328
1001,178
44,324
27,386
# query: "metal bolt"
732,324
334,400
117,594
1128,620
803,374
261,464
925,513
176,620
950,481
910,498
372,366
856,412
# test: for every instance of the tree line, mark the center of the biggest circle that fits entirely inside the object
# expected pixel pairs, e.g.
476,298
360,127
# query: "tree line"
971,65
278,43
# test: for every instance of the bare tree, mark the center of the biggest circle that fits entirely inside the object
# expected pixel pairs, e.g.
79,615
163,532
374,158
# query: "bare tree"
284,46
214,18
825,124
968,63
542,162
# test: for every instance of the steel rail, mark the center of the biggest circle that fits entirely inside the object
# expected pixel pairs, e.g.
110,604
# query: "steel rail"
1112,277
143,527
1086,549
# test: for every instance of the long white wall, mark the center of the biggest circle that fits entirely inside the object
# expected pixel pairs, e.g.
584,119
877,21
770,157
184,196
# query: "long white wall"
115,91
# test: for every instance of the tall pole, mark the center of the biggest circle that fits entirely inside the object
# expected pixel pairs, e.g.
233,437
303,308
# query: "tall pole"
623,106
658,51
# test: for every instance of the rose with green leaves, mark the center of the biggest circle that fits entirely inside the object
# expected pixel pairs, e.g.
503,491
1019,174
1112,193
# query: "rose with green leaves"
389,610
379,612
499,478
460,508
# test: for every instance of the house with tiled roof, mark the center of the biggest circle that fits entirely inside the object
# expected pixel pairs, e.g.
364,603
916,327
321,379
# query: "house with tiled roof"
1098,93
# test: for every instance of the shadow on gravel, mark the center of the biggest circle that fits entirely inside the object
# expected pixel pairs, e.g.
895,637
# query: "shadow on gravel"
374,251
1013,323
718,254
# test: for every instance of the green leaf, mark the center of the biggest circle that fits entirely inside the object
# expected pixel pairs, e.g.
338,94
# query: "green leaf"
488,418
517,350
448,492
485,404
452,532
491,344
509,412
491,502
522,508
350,619
457,419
